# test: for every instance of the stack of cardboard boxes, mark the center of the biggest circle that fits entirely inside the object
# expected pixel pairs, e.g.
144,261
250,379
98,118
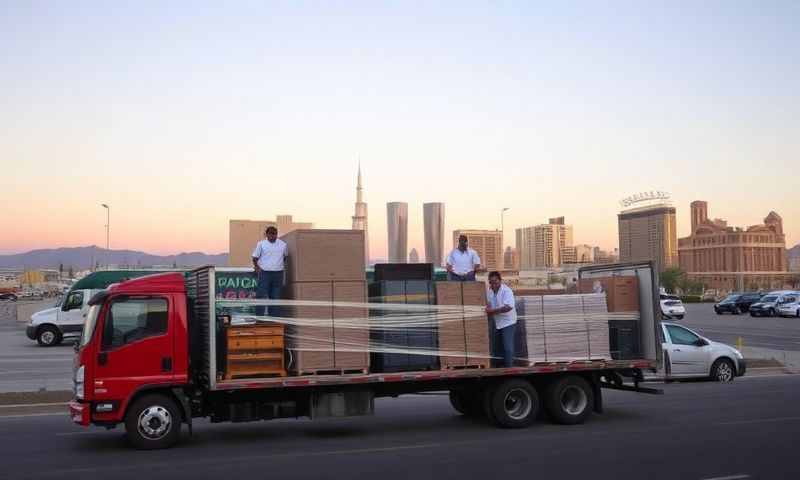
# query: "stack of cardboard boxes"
327,266
463,341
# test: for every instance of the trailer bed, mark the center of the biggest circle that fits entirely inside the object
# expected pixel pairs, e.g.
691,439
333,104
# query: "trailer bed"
430,376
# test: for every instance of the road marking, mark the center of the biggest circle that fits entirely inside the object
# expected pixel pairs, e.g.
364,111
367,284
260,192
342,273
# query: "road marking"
69,434
761,420
54,414
729,477
23,405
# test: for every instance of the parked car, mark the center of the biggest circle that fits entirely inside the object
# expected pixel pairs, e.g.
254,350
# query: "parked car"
768,305
737,303
790,306
689,355
672,307
8,297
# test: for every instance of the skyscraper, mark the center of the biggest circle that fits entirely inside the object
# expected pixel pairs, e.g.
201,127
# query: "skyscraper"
487,243
648,233
397,227
434,232
360,216
413,257
541,246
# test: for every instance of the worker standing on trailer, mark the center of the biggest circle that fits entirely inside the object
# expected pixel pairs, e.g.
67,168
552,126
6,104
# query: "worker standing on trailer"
269,260
463,262
500,305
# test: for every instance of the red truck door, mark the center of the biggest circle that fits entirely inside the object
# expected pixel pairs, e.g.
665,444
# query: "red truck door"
136,347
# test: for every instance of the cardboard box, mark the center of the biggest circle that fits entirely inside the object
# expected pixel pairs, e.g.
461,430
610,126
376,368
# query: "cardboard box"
311,342
324,255
622,291
351,336
469,335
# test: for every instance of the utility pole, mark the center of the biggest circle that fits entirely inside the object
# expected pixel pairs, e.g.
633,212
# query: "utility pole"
108,232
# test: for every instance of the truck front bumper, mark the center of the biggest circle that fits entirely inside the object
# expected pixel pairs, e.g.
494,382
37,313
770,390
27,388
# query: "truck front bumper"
79,412
30,332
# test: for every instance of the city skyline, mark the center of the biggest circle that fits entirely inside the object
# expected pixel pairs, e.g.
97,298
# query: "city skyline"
180,131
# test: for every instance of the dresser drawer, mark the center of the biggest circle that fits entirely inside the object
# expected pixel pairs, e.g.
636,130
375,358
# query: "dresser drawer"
250,331
255,343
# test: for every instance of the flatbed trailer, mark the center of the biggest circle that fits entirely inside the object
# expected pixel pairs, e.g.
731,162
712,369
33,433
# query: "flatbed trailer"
165,374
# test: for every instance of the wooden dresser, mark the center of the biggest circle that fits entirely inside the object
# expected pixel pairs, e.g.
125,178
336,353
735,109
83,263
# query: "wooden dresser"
255,350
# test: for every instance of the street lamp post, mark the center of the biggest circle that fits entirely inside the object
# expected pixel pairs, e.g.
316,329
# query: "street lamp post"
108,232
502,225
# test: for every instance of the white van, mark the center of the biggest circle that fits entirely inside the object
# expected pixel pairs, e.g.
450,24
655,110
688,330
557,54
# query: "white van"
51,326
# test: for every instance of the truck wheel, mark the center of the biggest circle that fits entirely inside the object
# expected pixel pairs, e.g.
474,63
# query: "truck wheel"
48,336
153,422
569,400
723,370
513,403
467,402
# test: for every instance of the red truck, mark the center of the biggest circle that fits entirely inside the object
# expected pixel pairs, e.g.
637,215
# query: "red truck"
158,371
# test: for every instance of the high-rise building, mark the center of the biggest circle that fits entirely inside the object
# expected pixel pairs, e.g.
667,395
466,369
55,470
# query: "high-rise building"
603,256
734,258
487,243
397,226
413,257
541,246
510,260
360,216
244,234
433,214
648,233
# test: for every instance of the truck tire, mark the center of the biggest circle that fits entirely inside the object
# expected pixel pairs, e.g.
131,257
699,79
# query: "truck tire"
48,336
723,370
467,402
513,403
153,422
569,400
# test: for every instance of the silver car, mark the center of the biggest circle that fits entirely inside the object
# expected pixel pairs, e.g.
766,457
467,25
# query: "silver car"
690,355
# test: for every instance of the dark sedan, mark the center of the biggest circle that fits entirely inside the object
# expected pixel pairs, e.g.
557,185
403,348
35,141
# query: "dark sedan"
736,303
8,297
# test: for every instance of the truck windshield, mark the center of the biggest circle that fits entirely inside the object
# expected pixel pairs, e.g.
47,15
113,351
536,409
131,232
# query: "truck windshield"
89,324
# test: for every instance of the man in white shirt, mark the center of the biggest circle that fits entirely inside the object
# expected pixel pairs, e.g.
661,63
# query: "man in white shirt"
269,259
500,306
463,262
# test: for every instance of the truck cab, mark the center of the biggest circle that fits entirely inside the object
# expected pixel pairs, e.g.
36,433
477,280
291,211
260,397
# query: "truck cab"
49,327
134,343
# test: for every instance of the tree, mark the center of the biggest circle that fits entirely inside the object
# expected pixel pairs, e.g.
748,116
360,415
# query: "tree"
672,278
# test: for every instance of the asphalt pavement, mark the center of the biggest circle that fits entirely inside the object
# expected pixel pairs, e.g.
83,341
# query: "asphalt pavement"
24,365
696,430
763,332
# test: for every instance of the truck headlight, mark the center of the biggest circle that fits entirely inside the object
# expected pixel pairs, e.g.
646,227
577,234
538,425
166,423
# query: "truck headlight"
79,376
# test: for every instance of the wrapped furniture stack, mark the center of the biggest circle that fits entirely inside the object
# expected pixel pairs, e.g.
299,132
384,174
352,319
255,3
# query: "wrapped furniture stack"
561,328
402,340
327,266
463,333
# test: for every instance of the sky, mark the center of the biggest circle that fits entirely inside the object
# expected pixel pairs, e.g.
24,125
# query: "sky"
183,115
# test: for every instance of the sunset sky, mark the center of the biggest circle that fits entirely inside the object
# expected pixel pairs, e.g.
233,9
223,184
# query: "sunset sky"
183,115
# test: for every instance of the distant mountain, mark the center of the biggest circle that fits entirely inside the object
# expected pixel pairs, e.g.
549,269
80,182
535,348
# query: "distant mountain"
86,257
794,252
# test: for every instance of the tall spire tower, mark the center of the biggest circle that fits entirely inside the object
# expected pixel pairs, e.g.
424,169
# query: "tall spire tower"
360,215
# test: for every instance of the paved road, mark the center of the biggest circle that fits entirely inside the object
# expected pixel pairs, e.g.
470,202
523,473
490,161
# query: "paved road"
24,366
697,430
773,333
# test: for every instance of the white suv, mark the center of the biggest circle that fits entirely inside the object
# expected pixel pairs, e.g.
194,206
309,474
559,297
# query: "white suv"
789,306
